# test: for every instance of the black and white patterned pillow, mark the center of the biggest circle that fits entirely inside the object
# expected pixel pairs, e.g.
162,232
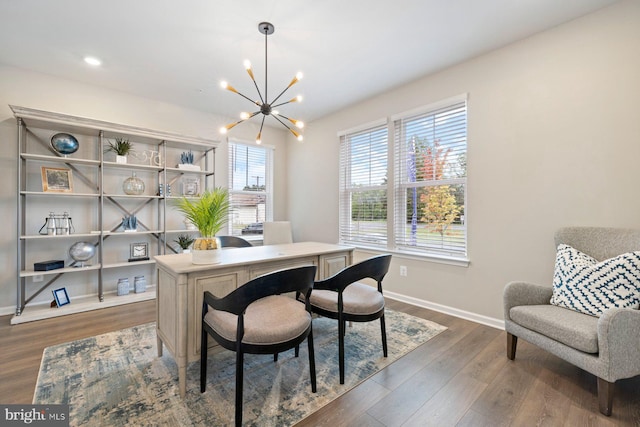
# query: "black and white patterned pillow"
583,284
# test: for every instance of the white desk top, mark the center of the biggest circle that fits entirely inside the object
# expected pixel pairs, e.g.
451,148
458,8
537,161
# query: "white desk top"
228,257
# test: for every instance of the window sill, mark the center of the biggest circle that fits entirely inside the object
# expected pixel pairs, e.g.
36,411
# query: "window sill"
440,259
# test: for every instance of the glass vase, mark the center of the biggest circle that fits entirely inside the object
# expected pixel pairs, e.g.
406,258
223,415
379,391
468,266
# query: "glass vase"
133,185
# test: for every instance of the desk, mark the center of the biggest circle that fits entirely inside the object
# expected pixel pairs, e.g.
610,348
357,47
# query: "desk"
182,284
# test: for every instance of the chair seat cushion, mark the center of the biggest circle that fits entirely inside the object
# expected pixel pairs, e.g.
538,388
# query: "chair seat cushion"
577,330
270,320
583,284
357,298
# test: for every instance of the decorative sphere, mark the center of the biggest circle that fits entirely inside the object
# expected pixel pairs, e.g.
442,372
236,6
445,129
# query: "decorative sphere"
133,185
64,143
82,251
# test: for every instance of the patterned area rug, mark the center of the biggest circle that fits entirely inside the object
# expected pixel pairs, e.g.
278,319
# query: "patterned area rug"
116,379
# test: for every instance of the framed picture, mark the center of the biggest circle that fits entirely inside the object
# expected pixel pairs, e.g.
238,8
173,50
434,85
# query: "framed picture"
138,251
61,296
58,180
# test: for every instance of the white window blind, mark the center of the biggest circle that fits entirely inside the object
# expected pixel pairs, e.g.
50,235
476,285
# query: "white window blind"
430,181
363,186
250,187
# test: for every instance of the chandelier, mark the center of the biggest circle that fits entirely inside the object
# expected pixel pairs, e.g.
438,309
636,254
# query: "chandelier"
266,107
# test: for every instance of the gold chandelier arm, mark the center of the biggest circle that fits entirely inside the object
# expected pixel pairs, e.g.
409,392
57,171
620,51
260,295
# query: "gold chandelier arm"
296,99
259,137
295,80
293,131
297,123
230,88
247,66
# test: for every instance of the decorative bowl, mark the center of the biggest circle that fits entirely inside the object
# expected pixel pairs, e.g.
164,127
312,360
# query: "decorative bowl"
64,143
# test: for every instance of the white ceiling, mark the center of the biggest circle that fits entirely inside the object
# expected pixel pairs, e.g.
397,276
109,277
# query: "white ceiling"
179,51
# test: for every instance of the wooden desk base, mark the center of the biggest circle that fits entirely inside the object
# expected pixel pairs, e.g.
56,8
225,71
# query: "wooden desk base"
182,284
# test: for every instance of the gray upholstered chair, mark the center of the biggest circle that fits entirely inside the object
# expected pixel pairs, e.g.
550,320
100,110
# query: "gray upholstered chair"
607,346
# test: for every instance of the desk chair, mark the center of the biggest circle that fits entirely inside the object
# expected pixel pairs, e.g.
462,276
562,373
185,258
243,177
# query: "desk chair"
255,318
233,242
342,297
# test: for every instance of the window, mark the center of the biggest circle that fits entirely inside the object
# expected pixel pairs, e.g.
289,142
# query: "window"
250,187
423,209
431,180
363,186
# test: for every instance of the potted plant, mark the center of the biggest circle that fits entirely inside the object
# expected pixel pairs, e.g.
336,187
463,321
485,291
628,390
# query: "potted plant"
209,214
184,241
122,147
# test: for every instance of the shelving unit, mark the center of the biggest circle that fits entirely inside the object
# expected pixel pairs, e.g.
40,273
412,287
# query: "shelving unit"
97,204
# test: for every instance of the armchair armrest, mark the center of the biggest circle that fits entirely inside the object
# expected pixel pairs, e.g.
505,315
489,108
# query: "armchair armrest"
618,341
524,293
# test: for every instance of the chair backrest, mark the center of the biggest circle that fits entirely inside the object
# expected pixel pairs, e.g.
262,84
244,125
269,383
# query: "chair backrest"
277,232
372,268
233,242
600,242
298,279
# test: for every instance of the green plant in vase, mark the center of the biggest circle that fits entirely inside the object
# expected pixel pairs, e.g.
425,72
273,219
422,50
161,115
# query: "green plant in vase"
209,213
184,241
122,147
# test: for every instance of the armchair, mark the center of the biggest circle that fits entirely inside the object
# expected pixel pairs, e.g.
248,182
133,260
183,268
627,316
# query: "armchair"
607,346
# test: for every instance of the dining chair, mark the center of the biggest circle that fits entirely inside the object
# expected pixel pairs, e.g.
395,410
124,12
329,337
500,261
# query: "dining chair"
233,242
255,318
344,298
277,232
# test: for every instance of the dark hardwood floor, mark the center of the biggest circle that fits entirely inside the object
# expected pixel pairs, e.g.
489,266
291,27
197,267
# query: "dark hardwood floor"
461,377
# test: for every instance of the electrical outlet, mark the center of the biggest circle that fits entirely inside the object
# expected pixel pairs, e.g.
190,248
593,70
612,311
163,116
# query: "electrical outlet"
37,278
403,270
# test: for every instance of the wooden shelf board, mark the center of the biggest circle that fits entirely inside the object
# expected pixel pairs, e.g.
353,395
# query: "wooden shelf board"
128,264
78,305
59,159
30,273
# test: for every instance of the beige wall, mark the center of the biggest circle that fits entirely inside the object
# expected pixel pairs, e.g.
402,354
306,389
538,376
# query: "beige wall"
33,90
554,140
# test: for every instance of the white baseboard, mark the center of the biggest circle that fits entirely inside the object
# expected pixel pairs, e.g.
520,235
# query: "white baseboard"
5,311
474,317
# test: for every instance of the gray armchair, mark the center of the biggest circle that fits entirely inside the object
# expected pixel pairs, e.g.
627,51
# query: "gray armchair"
607,347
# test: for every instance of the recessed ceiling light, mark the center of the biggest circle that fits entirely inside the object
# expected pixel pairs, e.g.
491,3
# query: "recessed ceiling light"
91,60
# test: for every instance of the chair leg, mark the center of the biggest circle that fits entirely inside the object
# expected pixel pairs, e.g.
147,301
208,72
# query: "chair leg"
384,336
512,343
312,361
605,396
297,353
203,360
275,357
239,381
341,327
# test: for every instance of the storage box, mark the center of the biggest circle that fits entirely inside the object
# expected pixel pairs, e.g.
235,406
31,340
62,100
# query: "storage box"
48,265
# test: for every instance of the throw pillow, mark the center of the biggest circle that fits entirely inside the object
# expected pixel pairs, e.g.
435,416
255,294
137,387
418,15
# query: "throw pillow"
583,284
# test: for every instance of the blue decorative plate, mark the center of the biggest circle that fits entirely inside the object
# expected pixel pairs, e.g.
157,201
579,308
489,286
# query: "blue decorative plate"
64,143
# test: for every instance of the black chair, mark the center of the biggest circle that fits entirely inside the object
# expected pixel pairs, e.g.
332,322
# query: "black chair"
233,242
256,319
342,297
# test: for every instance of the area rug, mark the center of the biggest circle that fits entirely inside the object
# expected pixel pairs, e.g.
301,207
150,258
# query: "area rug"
116,379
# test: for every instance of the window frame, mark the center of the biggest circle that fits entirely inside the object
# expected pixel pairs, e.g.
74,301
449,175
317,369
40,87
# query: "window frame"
267,193
348,190
395,189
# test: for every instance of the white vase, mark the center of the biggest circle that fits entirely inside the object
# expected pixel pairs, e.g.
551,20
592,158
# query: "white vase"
205,250
121,159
